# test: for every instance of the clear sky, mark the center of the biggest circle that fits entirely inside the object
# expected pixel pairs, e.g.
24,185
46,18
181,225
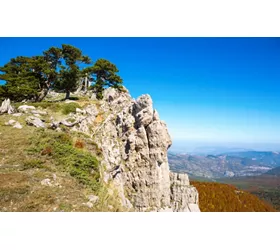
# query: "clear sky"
206,89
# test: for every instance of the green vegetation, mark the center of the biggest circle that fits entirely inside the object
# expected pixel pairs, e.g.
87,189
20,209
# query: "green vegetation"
70,71
30,155
78,162
64,108
104,75
218,197
68,108
33,163
31,78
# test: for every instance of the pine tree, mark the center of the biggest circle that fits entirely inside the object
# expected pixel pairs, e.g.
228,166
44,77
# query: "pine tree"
70,72
21,81
31,78
104,75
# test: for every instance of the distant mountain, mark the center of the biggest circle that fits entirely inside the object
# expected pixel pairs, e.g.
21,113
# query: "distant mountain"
274,171
268,158
216,150
216,166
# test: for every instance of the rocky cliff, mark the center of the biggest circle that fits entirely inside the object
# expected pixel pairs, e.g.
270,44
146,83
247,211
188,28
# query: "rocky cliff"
134,143
130,143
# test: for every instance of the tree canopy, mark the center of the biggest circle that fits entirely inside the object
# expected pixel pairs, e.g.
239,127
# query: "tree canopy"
70,72
104,75
63,69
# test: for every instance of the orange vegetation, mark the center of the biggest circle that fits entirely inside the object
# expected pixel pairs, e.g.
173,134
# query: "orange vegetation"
79,144
217,197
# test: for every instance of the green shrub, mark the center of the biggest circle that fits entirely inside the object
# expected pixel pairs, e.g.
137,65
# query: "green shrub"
79,163
68,108
32,163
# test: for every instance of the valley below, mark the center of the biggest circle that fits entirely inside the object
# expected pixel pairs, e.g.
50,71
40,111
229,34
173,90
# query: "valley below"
252,171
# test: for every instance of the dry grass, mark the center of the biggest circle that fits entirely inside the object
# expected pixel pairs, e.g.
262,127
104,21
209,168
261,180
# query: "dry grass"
22,170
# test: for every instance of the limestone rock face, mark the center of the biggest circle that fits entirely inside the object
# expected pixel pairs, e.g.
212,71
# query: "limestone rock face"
184,197
134,143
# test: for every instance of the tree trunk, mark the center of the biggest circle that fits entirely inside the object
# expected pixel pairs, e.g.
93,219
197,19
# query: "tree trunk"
42,94
80,86
86,84
67,94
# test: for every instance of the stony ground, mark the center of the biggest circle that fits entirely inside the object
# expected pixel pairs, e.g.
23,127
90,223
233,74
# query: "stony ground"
36,180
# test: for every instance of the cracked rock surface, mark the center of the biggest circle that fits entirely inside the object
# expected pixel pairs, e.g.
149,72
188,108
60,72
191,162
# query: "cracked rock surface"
134,143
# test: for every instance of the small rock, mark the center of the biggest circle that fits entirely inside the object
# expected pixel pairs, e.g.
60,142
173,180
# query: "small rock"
69,101
54,177
35,121
58,129
110,207
26,108
46,182
10,122
89,204
93,198
17,114
80,111
17,125
39,112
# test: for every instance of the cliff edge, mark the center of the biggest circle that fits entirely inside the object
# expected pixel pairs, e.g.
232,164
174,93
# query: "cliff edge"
134,143
112,154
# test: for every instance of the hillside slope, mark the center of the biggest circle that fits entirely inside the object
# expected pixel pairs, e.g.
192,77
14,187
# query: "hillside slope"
89,155
45,170
266,186
218,197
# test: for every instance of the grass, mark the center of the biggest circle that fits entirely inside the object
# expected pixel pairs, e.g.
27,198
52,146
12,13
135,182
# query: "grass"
78,162
33,163
13,143
63,108
29,155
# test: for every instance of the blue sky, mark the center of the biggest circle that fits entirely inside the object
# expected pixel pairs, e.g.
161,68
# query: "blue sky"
216,90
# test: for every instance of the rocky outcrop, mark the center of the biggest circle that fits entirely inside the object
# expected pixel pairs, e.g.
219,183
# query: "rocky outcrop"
134,143
6,107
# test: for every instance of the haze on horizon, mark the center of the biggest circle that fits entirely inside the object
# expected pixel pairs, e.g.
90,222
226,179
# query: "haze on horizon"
218,91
